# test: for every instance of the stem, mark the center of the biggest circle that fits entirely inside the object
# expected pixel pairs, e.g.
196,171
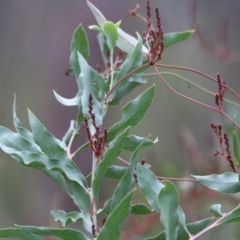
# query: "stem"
68,150
93,209
112,67
213,225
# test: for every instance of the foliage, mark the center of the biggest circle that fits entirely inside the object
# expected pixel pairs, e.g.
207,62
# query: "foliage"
97,90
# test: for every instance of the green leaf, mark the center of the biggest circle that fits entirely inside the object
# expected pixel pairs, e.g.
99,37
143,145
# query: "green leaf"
109,156
168,202
68,102
111,33
85,82
96,28
126,88
106,208
141,209
18,233
67,136
233,217
182,219
79,44
176,37
18,125
193,228
133,141
132,62
111,228
149,185
103,48
67,218
224,183
127,182
116,172
216,210
133,112
65,234
236,149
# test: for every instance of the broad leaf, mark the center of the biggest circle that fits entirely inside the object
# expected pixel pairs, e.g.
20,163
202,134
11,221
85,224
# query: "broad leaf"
193,228
133,112
149,185
111,228
224,183
109,156
176,37
168,202
79,44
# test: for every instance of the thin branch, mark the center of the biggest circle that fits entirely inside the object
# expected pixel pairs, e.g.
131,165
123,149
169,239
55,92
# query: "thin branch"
199,73
192,84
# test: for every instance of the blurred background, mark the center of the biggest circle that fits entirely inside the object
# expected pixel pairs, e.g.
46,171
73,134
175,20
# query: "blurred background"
35,38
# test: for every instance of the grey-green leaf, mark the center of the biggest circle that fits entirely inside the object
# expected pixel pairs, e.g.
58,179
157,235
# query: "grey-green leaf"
133,112
225,183
111,33
111,228
127,181
116,172
109,156
65,234
18,233
233,217
216,210
79,44
193,228
141,209
149,185
236,149
168,202
68,102
176,37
